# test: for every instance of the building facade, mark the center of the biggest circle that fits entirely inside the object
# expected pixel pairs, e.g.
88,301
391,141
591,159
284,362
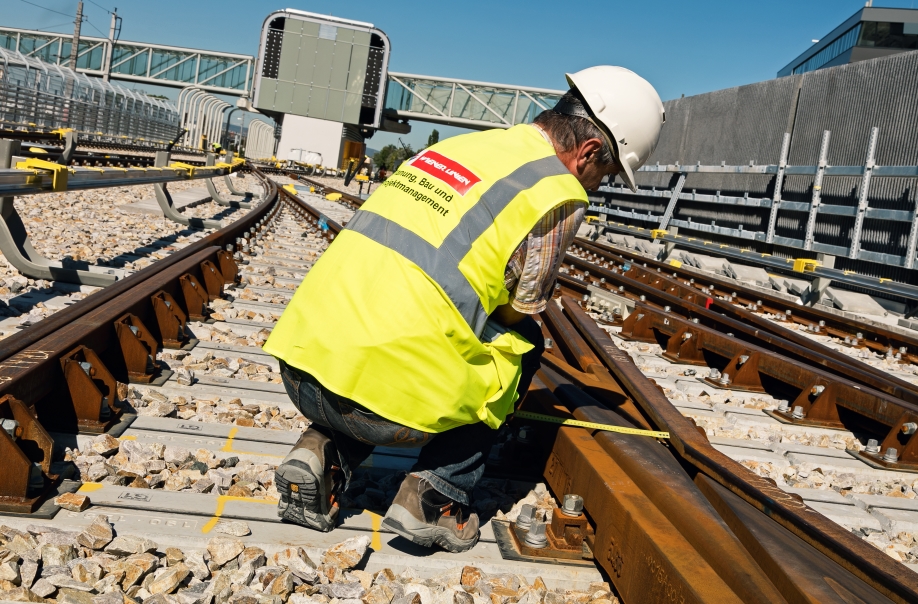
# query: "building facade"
867,34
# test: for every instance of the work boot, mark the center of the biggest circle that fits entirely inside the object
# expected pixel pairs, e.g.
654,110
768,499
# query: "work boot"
422,515
309,480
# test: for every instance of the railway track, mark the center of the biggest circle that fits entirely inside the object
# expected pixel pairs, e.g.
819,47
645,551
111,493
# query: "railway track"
155,392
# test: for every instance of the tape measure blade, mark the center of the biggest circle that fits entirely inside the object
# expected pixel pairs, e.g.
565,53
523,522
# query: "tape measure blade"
591,425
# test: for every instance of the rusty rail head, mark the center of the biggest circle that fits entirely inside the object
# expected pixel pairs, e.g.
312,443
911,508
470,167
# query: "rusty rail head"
669,488
796,345
774,333
882,336
593,378
221,238
865,401
864,561
656,535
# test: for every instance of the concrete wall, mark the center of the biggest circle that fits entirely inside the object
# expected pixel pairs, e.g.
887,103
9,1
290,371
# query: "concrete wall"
311,134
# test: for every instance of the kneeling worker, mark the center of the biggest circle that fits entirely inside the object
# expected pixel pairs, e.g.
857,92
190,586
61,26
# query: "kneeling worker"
414,329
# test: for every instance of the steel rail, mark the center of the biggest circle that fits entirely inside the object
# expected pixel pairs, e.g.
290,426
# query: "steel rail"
878,338
758,259
656,517
63,374
749,367
650,509
221,238
693,306
851,553
895,411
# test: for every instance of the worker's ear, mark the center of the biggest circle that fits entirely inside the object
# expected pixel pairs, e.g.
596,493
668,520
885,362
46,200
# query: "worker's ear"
588,152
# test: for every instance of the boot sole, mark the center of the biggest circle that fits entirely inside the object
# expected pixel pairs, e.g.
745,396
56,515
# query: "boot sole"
296,479
401,521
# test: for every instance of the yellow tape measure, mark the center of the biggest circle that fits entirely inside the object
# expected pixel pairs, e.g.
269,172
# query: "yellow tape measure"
574,422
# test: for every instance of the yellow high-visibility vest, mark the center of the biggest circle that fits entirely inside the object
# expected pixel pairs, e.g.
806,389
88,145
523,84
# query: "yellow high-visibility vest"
393,315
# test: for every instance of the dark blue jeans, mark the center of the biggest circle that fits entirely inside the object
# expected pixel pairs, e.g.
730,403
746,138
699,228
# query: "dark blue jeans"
451,461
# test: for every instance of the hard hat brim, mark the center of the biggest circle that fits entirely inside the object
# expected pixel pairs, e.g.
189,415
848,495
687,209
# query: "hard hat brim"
627,175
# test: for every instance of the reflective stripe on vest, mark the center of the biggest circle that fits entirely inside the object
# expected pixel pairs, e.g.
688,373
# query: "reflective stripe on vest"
442,264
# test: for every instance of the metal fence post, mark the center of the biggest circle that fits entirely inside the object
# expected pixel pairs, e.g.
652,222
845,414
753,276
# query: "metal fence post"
779,183
862,202
817,192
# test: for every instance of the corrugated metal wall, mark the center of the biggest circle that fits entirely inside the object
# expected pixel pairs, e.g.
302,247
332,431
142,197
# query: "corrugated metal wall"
747,123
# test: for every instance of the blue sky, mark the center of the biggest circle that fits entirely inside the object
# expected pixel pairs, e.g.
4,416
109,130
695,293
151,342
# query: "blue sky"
680,47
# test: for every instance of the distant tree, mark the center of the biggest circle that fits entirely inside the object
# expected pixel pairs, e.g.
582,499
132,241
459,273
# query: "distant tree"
434,138
390,156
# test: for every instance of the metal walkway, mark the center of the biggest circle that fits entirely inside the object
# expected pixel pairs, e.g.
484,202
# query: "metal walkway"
174,66
450,101
465,103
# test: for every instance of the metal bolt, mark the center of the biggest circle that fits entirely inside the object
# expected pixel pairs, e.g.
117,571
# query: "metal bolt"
891,455
10,426
817,390
621,288
798,413
783,406
873,446
715,374
524,520
903,350
573,504
602,280
725,379
909,428
586,297
687,336
523,434
666,309
695,320
536,537
742,359
822,323
643,298
860,336
548,344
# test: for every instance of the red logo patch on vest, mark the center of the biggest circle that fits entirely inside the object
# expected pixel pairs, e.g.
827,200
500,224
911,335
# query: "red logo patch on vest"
452,173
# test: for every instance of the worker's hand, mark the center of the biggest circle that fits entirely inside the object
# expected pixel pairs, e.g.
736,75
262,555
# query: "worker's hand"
506,315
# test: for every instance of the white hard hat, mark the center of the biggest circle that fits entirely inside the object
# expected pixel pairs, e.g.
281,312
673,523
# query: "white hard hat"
626,108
